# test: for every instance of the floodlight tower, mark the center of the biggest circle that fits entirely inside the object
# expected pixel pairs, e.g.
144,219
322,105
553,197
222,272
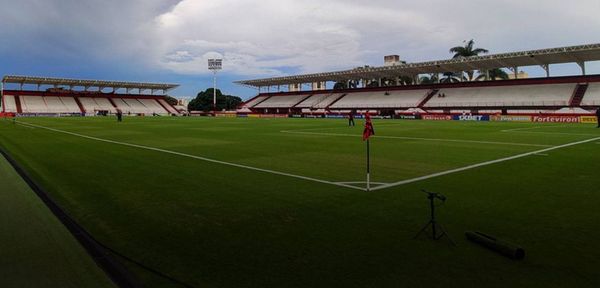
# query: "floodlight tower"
215,65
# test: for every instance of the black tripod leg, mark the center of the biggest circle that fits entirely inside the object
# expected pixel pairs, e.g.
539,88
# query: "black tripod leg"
422,230
445,234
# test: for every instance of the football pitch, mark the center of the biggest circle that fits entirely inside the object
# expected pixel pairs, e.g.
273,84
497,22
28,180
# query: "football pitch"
282,202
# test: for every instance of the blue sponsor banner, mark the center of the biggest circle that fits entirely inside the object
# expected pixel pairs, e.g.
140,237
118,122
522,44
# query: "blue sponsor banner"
242,115
475,118
335,116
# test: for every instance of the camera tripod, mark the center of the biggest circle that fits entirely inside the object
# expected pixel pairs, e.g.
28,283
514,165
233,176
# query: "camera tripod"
435,226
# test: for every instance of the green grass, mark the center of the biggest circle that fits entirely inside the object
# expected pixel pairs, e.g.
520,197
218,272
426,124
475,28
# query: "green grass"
214,225
36,250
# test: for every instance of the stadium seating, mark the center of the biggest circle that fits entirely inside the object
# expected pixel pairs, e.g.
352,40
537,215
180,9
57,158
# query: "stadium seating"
70,104
169,107
327,101
96,104
312,100
139,106
123,106
57,105
319,101
281,101
9,104
33,104
391,99
153,106
254,101
592,95
507,96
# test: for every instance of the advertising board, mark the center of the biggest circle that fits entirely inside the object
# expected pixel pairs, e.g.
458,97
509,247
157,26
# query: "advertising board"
556,119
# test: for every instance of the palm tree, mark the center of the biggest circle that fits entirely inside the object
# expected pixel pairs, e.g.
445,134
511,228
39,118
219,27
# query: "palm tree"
431,79
466,51
493,74
450,77
351,84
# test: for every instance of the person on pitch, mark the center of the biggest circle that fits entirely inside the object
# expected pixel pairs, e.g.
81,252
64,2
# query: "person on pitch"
351,118
598,117
119,115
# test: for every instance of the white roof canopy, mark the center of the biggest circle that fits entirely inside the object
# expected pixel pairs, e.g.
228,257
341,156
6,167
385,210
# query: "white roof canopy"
574,54
86,83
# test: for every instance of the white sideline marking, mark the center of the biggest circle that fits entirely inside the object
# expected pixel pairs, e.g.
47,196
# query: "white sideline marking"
553,133
25,126
417,138
197,157
524,130
363,182
483,164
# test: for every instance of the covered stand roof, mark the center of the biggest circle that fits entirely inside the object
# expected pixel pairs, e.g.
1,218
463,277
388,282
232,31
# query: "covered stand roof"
573,54
87,83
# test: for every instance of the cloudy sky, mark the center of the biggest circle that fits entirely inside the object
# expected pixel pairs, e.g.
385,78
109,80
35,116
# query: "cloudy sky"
170,40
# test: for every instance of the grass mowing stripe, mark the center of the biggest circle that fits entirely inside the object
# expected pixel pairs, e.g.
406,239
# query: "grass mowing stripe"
418,138
195,157
483,164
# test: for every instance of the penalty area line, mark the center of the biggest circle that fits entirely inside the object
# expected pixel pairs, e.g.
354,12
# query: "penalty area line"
195,157
474,166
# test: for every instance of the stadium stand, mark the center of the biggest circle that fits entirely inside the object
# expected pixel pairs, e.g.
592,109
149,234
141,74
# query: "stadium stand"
9,104
382,88
91,105
381,99
490,97
282,102
504,96
592,95
167,106
328,100
255,101
310,102
60,101
33,104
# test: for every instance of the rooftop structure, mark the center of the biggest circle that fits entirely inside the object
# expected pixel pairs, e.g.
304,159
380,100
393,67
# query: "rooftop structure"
98,85
513,60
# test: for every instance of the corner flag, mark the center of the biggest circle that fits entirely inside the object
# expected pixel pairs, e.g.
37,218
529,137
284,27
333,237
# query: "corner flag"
369,131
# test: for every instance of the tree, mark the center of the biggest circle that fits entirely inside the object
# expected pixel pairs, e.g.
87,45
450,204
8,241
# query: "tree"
466,51
171,100
373,83
204,101
340,85
431,79
450,77
493,74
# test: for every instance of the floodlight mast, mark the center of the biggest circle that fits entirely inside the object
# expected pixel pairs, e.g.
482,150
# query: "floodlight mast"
215,65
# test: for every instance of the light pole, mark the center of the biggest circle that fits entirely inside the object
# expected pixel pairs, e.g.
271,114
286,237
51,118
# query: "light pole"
215,65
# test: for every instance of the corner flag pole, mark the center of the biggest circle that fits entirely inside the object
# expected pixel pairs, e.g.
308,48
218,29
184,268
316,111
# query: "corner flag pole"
367,133
368,166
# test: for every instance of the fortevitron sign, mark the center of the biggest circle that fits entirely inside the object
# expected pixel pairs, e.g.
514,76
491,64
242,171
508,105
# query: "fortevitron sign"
556,119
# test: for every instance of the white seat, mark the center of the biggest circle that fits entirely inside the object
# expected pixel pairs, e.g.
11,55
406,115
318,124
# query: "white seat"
10,105
281,101
520,95
382,99
592,95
